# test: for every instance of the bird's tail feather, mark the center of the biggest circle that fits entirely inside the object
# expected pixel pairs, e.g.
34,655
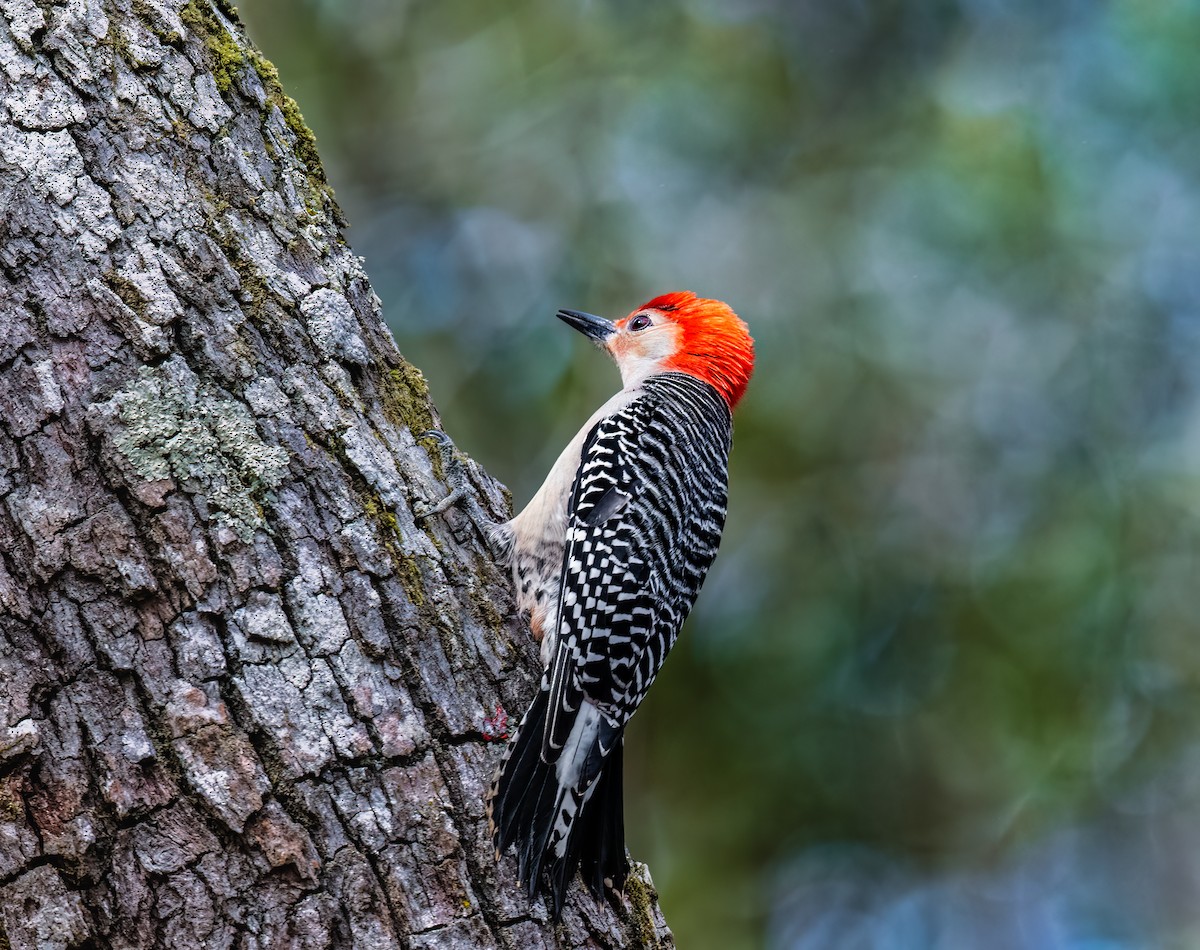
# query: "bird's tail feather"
554,827
600,831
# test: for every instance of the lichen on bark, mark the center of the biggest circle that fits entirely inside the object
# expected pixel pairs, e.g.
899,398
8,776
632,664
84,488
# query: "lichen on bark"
168,426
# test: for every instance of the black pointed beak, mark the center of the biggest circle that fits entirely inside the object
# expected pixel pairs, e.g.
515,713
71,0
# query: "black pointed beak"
594,328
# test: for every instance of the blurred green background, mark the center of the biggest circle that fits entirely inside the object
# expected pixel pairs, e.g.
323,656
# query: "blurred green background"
942,688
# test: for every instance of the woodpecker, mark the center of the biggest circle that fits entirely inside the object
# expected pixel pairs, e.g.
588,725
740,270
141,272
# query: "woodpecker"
607,560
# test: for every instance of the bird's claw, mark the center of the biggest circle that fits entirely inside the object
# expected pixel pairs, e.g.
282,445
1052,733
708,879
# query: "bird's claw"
449,453
438,436
446,447
456,476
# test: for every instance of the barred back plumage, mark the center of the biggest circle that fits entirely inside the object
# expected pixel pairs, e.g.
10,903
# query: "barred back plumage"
644,520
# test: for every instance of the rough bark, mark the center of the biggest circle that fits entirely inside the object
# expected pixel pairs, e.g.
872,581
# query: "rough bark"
243,694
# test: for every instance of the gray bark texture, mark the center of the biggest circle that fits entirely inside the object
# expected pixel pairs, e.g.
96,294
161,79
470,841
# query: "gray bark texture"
245,701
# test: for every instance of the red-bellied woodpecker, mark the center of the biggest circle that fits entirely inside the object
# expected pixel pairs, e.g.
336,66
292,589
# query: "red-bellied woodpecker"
607,559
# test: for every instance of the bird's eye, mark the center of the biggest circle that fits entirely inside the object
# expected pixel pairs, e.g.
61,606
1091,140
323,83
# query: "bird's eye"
640,322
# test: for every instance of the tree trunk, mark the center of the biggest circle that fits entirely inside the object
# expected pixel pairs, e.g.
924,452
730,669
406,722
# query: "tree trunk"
246,701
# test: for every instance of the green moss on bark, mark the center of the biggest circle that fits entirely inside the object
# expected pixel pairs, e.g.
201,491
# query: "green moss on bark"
127,290
228,55
405,395
641,903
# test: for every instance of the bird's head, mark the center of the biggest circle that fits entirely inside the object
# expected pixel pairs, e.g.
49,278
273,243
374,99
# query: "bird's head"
677,332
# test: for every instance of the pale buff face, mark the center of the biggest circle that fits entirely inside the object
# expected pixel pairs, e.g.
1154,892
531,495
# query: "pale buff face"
641,352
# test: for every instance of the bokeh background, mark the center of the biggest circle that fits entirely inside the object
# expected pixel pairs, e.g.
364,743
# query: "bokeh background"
942,689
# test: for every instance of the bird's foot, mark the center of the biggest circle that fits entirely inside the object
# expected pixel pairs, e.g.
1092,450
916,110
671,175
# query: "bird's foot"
497,536
456,478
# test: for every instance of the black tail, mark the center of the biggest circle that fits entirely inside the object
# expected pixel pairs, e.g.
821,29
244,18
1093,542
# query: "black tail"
528,807
600,830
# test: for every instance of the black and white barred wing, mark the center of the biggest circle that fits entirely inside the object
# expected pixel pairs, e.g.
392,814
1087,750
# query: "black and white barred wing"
644,524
